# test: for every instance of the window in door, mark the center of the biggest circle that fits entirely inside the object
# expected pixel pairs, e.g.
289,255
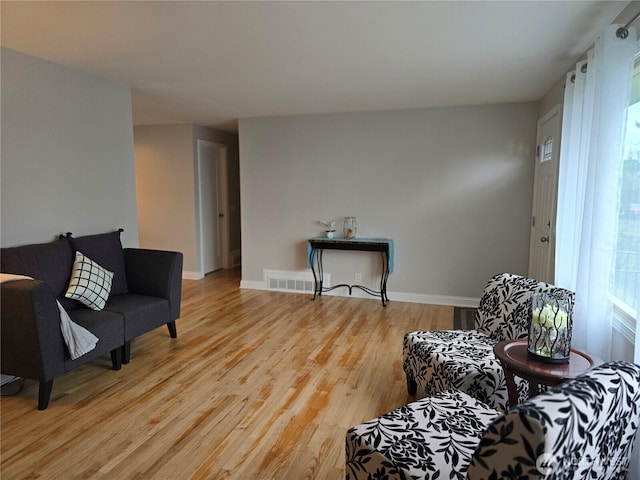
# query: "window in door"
547,149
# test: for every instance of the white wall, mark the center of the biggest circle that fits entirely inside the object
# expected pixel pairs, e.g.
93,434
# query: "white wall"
67,153
166,198
451,186
165,158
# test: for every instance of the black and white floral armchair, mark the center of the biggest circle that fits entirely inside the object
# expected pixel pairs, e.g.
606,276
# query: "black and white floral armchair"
464,359
582,428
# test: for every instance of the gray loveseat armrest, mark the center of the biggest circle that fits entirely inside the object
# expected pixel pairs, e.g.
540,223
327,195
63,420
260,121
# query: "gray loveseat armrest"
32,345
157,273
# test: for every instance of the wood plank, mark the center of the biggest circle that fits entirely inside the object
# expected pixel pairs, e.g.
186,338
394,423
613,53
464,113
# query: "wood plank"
257,385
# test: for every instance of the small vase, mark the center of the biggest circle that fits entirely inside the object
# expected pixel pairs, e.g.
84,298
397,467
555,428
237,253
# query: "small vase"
330,233
350,227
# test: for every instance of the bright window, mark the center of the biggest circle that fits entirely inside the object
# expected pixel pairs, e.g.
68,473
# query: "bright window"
627,259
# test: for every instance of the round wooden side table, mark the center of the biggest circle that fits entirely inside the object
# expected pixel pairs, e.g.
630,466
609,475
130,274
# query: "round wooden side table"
515,361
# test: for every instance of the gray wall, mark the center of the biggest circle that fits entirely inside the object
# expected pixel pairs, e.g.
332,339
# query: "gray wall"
166,198
66,154
451,186
165,158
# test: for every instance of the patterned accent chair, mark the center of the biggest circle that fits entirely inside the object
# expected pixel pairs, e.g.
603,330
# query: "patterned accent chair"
464,359
582,428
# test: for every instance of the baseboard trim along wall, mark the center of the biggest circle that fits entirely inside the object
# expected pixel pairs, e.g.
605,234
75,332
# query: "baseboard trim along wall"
192,275
468,302
291,282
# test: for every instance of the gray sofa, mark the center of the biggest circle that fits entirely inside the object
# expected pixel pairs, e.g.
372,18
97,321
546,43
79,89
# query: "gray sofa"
145,294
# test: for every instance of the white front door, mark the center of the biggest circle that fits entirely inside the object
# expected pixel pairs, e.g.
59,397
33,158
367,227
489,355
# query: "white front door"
545,193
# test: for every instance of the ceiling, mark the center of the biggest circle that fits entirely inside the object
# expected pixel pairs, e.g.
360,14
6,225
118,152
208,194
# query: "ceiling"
212,62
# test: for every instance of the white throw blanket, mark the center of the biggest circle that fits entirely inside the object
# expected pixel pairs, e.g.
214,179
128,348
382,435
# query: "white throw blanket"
79,340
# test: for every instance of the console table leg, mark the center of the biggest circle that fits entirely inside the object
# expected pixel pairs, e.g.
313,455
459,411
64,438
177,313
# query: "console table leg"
313,258
384,277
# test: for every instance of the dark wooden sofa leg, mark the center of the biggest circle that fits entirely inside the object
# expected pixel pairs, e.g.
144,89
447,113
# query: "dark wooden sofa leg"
412,386
172,329
126,352
116,358
44,393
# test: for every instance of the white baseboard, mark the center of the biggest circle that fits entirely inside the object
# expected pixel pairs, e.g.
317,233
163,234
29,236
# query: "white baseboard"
468,302
453,301
192,275
252,285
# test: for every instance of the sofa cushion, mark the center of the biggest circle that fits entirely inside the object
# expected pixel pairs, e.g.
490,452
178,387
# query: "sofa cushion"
141,313
433,438
461,360
107,326
106,250
50,262
90,284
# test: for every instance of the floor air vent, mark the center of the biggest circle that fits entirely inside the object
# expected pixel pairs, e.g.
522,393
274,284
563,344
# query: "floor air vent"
295,282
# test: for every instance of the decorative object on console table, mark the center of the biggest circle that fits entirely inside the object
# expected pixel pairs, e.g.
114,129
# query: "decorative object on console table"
550,327
350,227
331,228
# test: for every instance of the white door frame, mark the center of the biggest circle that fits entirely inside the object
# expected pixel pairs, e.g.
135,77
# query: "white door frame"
223,204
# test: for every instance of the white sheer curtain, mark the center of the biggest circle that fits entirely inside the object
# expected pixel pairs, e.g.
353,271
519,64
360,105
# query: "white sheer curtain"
588,190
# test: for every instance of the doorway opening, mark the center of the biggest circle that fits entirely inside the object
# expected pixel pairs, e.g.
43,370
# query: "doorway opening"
212,206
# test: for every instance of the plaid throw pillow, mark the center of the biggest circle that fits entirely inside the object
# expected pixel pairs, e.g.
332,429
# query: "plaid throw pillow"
90,284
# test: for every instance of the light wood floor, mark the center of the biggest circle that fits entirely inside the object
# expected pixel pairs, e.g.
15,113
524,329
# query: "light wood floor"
258,385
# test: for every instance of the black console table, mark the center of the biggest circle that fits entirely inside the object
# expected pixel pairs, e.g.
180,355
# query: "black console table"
318,245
